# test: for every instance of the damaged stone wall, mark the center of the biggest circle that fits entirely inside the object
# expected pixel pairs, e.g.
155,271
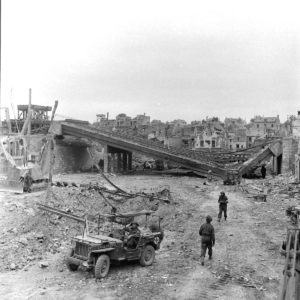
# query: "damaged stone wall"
70,158
289,150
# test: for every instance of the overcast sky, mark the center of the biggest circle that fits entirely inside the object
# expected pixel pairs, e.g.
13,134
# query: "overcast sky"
168,59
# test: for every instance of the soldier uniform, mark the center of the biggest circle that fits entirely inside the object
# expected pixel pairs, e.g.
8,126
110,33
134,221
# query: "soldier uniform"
223,200
263,171
133,235
207,233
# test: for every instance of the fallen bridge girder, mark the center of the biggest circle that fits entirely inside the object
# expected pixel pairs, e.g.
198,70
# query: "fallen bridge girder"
191,160
117,142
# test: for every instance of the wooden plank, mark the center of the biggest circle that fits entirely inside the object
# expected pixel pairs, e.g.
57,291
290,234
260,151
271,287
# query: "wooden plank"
285,277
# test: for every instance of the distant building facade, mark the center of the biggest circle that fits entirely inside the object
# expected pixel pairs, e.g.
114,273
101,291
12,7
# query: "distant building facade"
296,126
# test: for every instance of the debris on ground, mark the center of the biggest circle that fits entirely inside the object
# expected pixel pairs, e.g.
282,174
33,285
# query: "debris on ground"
31,237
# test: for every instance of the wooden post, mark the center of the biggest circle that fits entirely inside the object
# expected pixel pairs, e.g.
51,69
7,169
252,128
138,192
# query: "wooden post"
52,161
285,277
294,259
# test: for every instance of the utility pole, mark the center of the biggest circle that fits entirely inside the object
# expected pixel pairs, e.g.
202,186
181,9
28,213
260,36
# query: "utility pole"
29,114
0,62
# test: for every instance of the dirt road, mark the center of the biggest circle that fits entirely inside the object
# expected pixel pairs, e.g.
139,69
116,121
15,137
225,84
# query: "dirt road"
246,263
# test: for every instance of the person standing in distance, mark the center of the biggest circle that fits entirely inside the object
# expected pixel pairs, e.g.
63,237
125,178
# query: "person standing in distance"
223,200
207,233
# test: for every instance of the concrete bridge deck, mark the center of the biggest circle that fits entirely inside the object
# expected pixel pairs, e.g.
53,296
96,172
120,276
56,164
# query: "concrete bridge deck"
199,161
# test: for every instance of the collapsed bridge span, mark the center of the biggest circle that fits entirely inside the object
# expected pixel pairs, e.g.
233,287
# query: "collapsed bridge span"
117,144
121,146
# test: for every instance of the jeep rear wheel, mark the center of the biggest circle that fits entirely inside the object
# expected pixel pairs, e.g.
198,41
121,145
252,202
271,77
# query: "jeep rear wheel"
102,266
147,256
71,267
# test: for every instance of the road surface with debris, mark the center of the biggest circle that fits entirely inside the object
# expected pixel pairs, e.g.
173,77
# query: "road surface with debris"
246,261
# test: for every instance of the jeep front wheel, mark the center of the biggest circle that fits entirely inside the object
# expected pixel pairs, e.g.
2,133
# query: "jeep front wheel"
70,265
102,266
147,256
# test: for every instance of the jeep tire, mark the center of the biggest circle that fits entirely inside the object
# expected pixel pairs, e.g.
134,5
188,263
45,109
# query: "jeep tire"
148,255
71,267
102,266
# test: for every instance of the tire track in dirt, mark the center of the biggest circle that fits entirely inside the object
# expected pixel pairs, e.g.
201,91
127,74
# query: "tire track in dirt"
176,273
235,255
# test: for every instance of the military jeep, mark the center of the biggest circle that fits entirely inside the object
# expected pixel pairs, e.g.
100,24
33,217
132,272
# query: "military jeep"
96,251
231,178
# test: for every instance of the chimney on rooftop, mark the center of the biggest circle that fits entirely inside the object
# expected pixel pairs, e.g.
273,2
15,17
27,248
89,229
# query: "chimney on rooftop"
107,114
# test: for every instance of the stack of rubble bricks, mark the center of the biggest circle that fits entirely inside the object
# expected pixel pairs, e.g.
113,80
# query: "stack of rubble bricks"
289,149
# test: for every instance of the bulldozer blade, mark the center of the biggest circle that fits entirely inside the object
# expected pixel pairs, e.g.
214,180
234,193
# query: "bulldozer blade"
11,186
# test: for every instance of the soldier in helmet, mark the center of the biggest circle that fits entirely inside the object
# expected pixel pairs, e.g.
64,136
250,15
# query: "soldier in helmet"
223,200
207,233
133,236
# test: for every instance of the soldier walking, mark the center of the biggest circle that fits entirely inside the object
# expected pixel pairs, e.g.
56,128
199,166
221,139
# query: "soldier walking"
207,233
223,200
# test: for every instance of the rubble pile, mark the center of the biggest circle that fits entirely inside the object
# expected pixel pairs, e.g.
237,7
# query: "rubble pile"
35,233
281,194
246,256
280,188
26,238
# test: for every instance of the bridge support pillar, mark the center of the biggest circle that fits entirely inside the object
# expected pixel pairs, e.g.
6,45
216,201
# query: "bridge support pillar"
105,158
129,160
119,161
125,165
113,163
274,165
277,164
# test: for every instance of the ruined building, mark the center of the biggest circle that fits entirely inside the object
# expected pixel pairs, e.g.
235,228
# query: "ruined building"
262,127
